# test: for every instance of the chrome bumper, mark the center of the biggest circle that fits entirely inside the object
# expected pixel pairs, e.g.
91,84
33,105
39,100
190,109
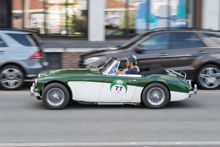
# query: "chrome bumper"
32,92
194,91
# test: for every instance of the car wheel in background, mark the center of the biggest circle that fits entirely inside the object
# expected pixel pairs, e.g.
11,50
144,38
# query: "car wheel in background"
208,77
155,96
11,77
55,96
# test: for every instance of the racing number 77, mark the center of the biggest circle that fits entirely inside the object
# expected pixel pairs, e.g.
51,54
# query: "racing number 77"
117,87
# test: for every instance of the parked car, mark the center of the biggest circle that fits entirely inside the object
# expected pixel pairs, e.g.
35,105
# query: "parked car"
103,86
21,57
195,51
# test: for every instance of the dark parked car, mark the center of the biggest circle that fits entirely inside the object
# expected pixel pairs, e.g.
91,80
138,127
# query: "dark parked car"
195,51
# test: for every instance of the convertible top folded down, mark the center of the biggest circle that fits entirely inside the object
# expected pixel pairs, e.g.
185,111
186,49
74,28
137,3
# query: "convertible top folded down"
152,69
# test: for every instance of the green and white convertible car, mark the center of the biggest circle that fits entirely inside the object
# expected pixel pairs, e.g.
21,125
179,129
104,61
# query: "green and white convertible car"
153,87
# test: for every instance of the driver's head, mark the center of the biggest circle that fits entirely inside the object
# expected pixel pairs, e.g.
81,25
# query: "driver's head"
130,61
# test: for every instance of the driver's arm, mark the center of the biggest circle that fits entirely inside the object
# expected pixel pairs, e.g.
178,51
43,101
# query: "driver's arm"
119,72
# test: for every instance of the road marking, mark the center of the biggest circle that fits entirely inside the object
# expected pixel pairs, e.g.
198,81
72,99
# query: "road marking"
112,143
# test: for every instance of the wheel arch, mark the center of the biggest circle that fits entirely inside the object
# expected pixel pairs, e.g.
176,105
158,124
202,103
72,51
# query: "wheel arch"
152,83
60,82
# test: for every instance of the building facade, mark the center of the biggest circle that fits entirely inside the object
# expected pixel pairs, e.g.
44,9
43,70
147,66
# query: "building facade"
109,18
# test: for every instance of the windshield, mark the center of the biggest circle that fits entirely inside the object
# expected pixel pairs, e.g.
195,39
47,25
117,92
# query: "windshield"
114,69
106,65
134,40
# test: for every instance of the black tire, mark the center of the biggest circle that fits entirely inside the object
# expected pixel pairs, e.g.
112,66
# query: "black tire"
206,81
11,77
157,101
59,99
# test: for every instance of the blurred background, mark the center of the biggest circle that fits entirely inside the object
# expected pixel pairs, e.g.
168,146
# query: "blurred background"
112,22
121,18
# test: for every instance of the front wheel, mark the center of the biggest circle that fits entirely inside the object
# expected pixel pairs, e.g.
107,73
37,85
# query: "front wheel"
155,96
55,96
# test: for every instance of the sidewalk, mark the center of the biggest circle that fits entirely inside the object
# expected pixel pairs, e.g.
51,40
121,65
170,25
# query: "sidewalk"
81,42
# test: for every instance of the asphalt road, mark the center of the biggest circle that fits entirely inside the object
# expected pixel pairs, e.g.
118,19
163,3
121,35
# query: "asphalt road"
24,121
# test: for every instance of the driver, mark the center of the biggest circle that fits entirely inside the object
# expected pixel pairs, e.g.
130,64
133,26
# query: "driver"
131,62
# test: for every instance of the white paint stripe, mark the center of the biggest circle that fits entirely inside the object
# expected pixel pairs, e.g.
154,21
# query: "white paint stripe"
178,96
112,143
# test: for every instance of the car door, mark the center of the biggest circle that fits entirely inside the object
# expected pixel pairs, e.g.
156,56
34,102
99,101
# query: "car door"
186,47
86,87
157,50
118,88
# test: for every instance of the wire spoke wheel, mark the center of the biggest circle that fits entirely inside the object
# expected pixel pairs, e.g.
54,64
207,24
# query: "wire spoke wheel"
155,96
55,96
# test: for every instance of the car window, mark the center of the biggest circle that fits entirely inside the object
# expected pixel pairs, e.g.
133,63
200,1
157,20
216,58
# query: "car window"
134,40
185,40
214,37
2,44
156,42
23,39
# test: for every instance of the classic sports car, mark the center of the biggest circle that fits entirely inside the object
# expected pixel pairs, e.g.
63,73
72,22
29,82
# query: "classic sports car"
104,86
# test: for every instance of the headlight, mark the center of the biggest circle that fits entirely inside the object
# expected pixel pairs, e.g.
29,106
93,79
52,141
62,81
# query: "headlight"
38,75
90,60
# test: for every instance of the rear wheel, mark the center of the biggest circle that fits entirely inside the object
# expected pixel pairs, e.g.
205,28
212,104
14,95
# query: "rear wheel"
155,96
208,77
11,77
55,96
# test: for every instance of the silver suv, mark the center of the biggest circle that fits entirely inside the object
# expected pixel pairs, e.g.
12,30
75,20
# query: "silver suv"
21,57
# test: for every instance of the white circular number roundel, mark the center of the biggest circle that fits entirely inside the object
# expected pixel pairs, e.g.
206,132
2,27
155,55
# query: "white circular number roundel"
118,88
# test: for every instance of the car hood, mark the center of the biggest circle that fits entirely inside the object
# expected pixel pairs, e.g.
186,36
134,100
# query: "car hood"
63,72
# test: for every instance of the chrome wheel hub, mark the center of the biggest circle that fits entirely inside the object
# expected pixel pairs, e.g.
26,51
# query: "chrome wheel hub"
55,96
155,96
11,78
210,77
